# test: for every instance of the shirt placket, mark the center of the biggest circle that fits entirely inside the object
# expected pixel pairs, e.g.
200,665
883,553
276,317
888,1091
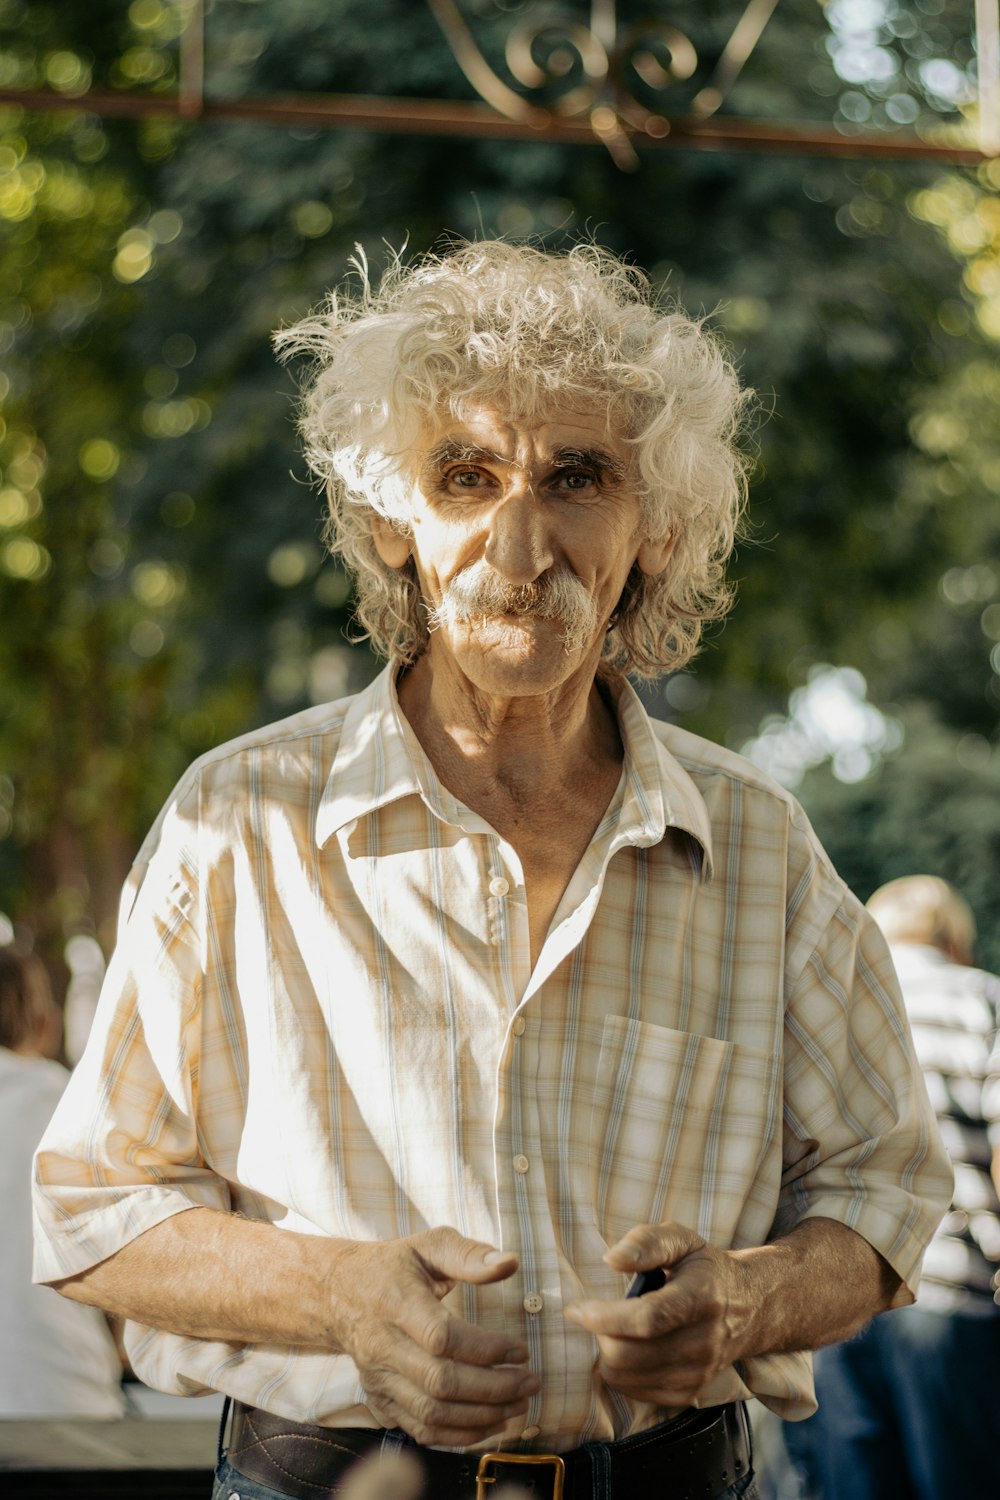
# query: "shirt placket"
534,1294
519,1213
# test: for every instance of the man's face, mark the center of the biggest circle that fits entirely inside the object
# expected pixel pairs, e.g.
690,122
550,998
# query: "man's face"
523,535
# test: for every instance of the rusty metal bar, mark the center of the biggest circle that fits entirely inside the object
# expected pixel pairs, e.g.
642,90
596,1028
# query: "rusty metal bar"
451,118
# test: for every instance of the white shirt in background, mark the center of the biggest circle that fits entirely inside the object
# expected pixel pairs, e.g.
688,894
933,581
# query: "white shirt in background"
57,1358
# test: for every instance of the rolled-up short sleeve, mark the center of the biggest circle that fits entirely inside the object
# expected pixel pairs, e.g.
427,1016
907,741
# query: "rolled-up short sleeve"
122,1151
861,1143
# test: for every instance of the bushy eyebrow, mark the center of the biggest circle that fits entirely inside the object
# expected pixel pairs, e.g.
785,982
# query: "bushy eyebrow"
606,465
453,450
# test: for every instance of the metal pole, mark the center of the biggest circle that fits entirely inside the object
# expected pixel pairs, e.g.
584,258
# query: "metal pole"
988,64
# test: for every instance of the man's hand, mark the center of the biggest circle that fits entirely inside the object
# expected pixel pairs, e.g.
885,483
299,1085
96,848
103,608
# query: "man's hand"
666,1346
817,1284
212,1275
439,1378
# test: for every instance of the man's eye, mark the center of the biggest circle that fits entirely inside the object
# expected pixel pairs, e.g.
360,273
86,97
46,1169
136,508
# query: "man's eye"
465,479
576,479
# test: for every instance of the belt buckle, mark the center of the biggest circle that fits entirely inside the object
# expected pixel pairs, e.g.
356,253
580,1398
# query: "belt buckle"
483,1478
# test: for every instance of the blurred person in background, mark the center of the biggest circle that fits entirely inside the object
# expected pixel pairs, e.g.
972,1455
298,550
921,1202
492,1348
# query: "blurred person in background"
440,1012
57,1358
910,1410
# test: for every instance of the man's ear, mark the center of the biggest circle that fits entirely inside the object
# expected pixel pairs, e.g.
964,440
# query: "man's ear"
392,547
654,554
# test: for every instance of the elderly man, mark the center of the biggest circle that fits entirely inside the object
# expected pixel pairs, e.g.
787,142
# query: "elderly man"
440,1012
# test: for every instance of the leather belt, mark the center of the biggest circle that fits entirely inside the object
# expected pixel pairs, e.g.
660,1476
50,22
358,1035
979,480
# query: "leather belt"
693,1457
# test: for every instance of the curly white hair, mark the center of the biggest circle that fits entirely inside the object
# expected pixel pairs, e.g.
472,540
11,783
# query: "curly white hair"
528,332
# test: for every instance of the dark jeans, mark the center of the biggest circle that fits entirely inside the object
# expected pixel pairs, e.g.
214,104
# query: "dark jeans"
910,1410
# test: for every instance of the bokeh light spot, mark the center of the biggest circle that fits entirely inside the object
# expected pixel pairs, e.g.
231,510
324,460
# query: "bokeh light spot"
99,458
312,219
22,558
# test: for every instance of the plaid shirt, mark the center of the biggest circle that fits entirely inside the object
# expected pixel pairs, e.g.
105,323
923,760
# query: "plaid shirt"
954,1012
322,1013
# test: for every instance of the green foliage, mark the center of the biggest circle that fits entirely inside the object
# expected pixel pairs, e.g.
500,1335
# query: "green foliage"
931,809
167,585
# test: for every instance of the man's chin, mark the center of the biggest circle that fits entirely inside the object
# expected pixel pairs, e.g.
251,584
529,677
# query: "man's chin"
514,632
519,655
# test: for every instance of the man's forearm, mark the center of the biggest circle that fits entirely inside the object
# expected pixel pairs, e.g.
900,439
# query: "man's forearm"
214,1275
815,1286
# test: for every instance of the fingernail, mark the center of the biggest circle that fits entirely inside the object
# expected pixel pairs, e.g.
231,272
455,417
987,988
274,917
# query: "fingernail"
492,1257
624,1255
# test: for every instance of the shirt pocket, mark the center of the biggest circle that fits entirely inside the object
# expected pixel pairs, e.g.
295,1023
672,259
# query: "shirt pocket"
681,1128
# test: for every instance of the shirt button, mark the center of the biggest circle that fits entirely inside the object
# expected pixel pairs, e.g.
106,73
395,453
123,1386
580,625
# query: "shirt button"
530,1432
499,886
521,1163
533,1303
517,1025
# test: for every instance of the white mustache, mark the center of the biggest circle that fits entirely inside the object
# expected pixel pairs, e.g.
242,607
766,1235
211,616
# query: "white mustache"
479,593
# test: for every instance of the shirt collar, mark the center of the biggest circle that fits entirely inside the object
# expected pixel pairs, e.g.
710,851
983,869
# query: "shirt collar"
380,760
658,792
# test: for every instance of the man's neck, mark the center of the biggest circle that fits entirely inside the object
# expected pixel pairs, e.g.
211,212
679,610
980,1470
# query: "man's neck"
541,770
528,749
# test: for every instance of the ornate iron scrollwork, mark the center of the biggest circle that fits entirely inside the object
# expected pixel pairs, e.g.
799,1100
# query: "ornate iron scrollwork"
580,70
569,82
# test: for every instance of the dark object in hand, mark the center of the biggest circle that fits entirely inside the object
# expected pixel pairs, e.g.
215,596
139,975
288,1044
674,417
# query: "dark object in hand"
647,1281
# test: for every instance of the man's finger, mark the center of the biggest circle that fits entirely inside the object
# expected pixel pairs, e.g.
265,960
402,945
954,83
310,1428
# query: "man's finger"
452,1380
680,1351
691,1296
441,1334
650,1245
449,1256
630,1318
420,1335
393,1396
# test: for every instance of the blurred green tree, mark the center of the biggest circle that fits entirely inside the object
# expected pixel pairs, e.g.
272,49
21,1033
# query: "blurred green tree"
163,583
79,721
932,808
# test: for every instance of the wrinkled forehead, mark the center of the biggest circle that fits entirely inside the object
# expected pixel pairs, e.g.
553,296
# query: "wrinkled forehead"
495,434
511,432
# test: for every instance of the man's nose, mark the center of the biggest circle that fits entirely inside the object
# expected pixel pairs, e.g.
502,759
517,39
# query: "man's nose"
518,546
